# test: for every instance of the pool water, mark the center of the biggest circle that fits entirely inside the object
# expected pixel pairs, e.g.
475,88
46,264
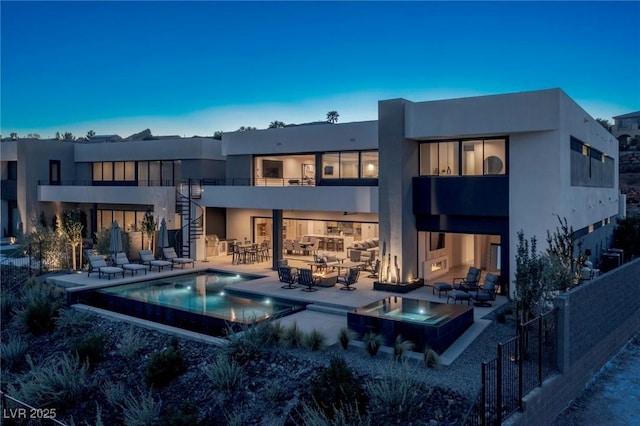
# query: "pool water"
198,301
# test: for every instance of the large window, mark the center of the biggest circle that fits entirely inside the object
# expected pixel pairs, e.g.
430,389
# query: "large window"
350,165
128,220
590,167
464,157
149,173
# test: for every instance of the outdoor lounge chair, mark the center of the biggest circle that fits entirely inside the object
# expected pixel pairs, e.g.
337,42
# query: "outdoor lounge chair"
460,295
349,279
146,258
99,265
121,260
487,292
169,253
288,275
469,283
305,278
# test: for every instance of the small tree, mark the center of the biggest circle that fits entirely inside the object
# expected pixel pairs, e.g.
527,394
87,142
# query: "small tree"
71,228
90,134
68,136
332,116
149,225
562,246
13,136
276,124
217,135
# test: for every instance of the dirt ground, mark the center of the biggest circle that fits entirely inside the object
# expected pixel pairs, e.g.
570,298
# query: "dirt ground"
613,397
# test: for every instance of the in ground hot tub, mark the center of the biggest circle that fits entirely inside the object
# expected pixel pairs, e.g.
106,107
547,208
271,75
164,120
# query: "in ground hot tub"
425,323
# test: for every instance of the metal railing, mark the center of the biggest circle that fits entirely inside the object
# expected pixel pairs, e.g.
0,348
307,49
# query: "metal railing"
522,364
18,413
34,259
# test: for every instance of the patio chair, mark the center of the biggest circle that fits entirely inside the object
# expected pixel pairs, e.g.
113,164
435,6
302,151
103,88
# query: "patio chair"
288,275
375,270
469,283
298,249
120,259
99,265
169,253
305,278
146,258
487,292
349,279
288,246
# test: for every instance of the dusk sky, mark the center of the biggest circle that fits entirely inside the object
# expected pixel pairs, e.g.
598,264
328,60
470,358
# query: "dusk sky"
192,68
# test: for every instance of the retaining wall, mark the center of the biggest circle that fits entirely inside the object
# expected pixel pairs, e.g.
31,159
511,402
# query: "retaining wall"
596,320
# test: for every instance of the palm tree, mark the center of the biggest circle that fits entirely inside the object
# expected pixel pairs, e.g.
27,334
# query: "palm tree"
90,134
332,116
276,124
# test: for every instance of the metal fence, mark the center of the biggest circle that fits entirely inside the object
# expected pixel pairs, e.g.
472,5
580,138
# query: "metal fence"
17,413
522,364
34,259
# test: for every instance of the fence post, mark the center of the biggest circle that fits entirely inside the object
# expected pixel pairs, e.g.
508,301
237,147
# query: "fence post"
540,341
499,386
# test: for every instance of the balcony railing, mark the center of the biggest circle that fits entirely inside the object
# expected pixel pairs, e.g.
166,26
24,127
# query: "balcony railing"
273,182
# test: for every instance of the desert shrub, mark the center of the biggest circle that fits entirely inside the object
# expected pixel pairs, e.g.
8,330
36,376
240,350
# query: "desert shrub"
184,415
276,331
164,366
141,409
395,398
58,382
12,352
250,342
40,306
90,349
225,374
372,342
336,387
71,322
130,342
8,302
344,336
238,417
114,393
292,336
431,358
311,415
400,347
314,340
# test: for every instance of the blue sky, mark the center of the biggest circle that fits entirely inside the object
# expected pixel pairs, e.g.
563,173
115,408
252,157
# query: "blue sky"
192,68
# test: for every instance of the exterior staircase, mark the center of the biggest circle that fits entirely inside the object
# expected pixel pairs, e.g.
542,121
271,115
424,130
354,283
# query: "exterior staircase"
191,213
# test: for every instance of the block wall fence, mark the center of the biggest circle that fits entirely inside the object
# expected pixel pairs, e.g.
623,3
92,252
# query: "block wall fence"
596,319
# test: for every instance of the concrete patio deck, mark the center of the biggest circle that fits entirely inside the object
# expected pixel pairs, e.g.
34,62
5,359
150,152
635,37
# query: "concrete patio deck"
327,308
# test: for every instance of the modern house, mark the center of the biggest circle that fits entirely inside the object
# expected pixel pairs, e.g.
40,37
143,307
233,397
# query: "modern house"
435,184
626,127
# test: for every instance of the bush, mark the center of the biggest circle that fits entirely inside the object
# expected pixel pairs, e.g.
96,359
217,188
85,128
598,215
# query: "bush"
12,352
336,388
292,336
8,301
275,332
90,349
130,342
396,397
40,306
400,347
164,366
114,393
372,342
71,322
344,336
431,358
225,374
311,415
142,410
250,342
59,382
185,415
315,340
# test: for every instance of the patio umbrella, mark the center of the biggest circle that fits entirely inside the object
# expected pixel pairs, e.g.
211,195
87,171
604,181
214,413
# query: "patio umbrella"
163,237
115,246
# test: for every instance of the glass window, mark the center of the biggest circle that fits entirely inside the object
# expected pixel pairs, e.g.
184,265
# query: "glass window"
330,166
369,164
448,158
349,165
429,159
167,173
130,171
177,170
97,171
107,171
154,173
472,158
494,157
143,173
118,170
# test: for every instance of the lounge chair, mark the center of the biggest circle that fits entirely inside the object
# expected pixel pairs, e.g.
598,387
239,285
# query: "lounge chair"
121,260
349,279
460,295
146,258
99,265
169,254
487,292
469,283
288,275
305,278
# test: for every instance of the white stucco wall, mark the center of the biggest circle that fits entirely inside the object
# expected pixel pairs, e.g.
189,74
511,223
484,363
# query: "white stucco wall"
163,149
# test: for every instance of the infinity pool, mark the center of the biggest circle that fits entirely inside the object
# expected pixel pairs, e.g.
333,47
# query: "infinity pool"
198,302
